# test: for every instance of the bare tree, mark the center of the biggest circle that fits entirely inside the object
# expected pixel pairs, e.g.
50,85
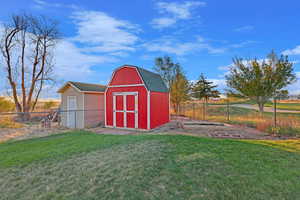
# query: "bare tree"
167,69
27,45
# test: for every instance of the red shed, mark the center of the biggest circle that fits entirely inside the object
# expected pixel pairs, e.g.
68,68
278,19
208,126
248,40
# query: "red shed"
136,98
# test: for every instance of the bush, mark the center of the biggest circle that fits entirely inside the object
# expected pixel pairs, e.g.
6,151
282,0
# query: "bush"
9,123
48,105
6,105
284,131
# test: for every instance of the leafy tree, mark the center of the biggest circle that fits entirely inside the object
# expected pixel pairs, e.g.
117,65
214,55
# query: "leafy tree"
204,89
260,80
165,67
179,89
282,94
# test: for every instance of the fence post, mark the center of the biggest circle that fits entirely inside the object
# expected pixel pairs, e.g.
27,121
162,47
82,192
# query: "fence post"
193,110
203,110
275,112
75,119
228,111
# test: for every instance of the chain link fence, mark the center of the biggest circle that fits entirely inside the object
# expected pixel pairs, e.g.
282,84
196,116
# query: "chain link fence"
53,118
279,117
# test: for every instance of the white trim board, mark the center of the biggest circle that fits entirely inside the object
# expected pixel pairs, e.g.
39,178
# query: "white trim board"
148,110
130,85
124,93
135,111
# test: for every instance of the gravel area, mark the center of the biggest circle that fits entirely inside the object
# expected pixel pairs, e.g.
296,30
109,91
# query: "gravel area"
195,128
177,126
29,131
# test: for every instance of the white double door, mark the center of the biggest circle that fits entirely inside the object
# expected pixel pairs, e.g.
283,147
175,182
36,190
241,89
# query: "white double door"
125,109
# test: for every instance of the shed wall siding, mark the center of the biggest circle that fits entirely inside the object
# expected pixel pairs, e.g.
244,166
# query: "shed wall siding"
159,109
64,107
94,109
142,104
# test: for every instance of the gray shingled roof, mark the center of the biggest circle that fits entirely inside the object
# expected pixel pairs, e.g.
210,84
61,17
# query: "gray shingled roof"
153,81
87,87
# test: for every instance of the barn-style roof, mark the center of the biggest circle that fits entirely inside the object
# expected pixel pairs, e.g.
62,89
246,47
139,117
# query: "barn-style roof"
153,81
83,87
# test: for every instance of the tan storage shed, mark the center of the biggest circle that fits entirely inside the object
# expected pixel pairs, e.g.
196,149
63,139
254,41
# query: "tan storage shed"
82,105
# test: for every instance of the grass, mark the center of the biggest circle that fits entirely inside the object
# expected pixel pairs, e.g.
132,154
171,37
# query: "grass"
83,165
231,101
285,106
9,123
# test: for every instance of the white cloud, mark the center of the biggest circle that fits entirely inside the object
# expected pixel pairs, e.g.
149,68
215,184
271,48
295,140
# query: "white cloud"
76,56
179,10
97,33
73,64
295,51
221,84
40,4
104,33
174,46
224,68
163,22
175,11
243,44
294,88
244,28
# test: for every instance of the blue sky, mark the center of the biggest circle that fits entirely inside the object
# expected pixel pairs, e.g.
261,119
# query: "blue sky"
203,36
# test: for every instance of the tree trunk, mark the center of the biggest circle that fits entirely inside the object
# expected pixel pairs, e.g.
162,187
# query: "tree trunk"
26,114
176,108
261,107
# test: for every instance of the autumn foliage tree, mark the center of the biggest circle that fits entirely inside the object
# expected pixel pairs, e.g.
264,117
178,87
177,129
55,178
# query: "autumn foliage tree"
26,46
179,89
260,80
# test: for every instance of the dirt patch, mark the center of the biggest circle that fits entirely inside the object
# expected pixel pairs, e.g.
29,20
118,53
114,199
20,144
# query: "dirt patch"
29,131
185,126
215,130
114,131
181,125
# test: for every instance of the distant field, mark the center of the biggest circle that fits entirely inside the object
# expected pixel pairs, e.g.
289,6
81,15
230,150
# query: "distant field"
285,106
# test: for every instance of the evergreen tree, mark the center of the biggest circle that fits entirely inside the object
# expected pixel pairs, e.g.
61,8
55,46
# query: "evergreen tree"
204,89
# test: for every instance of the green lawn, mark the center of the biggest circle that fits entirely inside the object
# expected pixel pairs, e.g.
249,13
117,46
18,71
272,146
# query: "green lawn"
285,106
83,165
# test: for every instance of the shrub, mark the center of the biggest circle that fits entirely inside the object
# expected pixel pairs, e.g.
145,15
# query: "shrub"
6,105
48,105
284,131
9,123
